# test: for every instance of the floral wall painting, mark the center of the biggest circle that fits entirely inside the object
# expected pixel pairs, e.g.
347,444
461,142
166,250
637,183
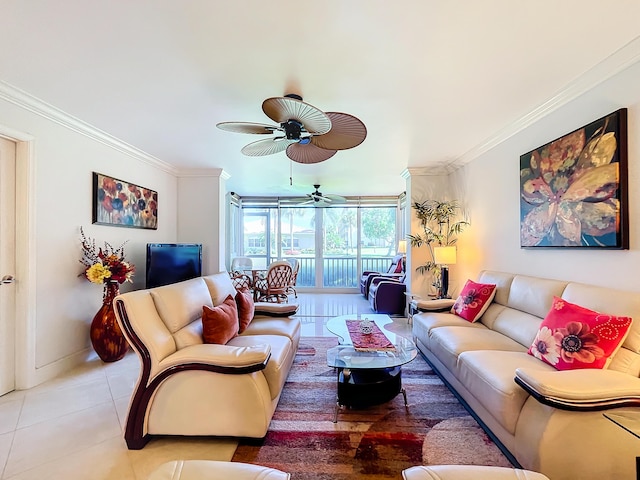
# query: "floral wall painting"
123,204
573,190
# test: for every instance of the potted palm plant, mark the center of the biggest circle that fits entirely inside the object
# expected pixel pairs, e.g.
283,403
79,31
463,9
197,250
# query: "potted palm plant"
439,228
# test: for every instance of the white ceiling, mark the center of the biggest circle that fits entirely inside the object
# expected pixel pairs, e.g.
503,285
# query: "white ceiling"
433,80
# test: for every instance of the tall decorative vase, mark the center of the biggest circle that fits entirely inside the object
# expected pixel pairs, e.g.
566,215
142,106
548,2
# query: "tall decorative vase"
106,337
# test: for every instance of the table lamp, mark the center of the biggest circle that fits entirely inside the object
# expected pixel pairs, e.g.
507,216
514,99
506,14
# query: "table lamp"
402,249
444,256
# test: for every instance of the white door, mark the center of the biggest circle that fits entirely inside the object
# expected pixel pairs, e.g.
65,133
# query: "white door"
7,264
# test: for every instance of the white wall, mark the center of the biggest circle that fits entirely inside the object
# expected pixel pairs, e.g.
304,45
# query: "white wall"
201,215
492,181
65,303
421,186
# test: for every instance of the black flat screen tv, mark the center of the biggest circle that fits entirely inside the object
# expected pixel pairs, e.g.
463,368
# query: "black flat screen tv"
172,262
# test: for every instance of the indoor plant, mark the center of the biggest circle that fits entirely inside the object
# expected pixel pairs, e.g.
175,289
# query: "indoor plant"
439,228
106,266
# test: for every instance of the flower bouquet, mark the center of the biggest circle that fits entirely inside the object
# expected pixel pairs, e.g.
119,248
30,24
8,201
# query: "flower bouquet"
104,265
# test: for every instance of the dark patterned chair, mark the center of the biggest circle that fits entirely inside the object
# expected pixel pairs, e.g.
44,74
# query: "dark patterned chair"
396,269
387,295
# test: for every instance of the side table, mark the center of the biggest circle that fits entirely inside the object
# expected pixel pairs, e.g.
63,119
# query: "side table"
416,304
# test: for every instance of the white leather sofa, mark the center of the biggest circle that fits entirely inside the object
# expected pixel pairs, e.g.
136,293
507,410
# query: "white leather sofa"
549,421
468,472
215,470
187,387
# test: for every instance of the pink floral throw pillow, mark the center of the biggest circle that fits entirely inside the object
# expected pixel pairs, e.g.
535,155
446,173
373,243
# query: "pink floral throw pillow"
572,337
474,300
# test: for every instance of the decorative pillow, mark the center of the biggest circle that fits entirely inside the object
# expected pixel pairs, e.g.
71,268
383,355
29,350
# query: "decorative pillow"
474,300
572,337
246,308
220,324
399,267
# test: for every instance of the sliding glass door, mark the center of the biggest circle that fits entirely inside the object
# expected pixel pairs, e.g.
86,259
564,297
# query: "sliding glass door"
298,240
333,245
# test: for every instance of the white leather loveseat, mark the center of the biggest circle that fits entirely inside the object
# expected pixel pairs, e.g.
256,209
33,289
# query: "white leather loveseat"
550,421
187,387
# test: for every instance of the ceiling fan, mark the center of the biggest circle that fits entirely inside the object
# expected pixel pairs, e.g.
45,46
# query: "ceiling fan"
307,134
320,199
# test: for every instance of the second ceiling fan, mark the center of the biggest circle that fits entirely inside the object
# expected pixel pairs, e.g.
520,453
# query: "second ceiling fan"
307,134
320,199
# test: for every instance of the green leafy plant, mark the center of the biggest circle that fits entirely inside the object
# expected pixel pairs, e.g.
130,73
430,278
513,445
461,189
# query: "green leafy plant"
439,228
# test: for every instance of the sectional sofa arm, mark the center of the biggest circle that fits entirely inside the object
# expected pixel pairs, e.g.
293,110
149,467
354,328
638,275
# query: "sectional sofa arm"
270,309
583,389
219,358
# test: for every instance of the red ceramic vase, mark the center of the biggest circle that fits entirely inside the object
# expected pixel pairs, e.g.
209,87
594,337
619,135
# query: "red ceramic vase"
106,337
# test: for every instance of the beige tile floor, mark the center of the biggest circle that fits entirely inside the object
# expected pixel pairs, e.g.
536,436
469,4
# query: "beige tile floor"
71,427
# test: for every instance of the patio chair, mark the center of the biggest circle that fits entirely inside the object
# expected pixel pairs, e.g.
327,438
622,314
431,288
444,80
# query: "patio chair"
295,267
273,287
241,264
241,281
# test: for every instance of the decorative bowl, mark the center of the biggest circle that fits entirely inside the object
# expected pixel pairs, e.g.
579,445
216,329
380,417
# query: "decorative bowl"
366,326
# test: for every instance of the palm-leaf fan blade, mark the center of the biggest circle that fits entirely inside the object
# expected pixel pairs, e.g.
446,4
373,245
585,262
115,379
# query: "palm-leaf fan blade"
268,146
308,153
346,132
282,109
247,127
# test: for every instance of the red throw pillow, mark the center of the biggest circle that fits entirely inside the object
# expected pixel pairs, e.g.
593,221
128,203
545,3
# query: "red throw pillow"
220,324
246,308
474,299
572,337
399,266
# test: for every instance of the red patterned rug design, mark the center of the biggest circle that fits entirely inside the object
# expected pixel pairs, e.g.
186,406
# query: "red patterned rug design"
374,443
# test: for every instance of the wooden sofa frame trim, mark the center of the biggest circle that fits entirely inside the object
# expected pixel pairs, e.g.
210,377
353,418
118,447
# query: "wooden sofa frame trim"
134,434
591,406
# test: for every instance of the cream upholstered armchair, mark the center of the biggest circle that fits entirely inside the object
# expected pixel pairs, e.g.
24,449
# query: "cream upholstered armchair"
273,287
188,387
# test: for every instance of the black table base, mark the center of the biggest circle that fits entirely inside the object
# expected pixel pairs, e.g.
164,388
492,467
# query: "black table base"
361,388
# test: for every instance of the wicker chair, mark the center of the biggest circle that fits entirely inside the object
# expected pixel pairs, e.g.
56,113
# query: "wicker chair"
241,281
295,267
273,287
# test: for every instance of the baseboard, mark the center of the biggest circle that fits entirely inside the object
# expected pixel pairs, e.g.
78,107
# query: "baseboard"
63,365
505,451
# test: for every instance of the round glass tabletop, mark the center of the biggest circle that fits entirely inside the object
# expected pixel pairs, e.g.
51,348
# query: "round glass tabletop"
346,356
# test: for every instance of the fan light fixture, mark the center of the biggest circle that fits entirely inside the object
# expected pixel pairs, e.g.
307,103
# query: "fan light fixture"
319,199
307,134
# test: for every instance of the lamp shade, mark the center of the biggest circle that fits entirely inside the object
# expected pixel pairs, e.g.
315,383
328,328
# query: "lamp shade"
444,255
402,246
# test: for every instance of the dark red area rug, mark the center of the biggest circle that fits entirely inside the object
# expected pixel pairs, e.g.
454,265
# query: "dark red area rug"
374,443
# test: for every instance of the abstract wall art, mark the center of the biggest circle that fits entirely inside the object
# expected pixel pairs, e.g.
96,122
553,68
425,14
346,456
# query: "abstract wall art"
573,190
123,204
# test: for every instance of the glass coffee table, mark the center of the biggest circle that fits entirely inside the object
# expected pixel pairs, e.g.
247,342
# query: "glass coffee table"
367,378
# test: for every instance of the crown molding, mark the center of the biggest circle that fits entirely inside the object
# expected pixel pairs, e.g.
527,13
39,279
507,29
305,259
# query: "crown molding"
615,63
434,170
203,172
33,104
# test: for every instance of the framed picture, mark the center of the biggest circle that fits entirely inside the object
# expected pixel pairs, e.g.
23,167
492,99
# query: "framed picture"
123,204
573,191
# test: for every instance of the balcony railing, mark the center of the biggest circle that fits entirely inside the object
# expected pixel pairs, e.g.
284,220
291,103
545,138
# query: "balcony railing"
339,272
